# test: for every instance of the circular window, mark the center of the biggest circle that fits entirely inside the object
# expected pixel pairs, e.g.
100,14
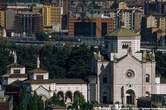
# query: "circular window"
130,73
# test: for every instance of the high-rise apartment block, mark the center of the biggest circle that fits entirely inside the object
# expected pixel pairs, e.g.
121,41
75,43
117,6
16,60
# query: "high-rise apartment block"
155,7
2,4
130,18
94,27
89,7
51,18
28,22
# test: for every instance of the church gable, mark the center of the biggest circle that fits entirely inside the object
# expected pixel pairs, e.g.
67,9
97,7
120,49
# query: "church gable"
121,68
128,58
41,91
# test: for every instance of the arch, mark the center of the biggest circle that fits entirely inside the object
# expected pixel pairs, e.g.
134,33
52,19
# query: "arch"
77,93
60,95
147,94
130,97
147,76
68,97
105,97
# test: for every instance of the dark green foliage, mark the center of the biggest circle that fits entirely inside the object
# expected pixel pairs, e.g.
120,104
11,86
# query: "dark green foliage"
161,63
64,62
79,59
36,102
30,102
79,101
5,57
54,101
27,56
81,104
42,36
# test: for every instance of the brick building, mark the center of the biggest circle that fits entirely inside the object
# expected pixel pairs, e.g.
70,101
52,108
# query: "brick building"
90,27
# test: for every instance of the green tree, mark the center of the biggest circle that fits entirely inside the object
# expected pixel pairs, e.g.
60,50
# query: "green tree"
43,36
24,99
78,62
54,100
5,57
36,102
161,63
79,102
65,62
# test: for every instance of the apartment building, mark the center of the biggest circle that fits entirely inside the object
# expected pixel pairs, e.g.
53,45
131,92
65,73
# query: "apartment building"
28,22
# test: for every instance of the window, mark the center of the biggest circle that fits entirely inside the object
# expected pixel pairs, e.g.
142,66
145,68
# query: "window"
39,77
105,80
147,78
147,94
126,44
130,73
16,71
105,99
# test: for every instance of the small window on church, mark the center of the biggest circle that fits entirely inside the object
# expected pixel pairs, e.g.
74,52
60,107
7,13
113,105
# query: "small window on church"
39,77
130,73
16,71
126,45
147,78
105,98
105,80
147,94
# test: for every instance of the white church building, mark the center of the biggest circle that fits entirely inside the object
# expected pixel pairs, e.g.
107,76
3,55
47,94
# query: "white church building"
15,72
129,73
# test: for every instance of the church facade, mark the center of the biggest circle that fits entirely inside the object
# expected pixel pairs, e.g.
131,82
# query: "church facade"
129,73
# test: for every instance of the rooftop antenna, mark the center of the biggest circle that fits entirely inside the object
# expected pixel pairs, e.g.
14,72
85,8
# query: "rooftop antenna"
38,62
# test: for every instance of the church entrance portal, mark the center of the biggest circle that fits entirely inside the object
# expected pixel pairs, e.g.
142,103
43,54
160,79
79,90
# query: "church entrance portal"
130,97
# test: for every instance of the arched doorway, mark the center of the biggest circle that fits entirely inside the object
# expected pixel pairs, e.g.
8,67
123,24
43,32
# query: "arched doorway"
147,94
77,93
68,97
60,95
130,97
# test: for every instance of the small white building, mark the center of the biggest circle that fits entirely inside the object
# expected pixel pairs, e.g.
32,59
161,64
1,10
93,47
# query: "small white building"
15,72
64,88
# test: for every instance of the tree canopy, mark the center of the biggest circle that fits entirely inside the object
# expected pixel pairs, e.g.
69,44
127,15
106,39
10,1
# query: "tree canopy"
61,62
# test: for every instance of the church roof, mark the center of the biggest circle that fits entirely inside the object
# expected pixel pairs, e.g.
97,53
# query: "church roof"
16,83
39,70
18,76
15,65
119,59
122,32
57,81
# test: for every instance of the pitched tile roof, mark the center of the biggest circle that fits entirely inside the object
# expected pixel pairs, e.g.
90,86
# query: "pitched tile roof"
57,81
39,70
14,65
122,32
